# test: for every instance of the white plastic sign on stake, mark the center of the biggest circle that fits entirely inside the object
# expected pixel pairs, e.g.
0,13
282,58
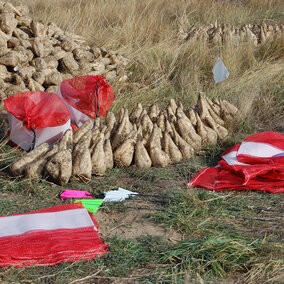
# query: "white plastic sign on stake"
220,71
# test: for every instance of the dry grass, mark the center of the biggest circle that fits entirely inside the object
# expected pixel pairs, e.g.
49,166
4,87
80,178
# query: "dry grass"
115,23
162,67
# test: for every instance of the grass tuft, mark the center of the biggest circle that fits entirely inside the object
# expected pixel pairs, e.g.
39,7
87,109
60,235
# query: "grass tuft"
218,255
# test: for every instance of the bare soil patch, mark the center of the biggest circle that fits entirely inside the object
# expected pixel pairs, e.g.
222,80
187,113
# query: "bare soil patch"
133,224
133,221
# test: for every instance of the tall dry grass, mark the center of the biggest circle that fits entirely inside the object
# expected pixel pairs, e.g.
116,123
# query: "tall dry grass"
136,22
162,67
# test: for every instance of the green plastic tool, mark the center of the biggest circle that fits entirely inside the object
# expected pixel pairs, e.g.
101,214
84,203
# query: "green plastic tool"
92,205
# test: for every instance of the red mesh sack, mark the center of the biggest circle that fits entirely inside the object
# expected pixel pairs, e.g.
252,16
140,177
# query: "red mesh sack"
35,118
87,97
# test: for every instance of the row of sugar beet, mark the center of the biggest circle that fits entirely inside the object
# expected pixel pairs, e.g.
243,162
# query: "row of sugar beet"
144,138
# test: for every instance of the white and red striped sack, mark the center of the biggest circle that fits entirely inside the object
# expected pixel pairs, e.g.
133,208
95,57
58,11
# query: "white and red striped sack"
36,118
255,164
87,97
50,236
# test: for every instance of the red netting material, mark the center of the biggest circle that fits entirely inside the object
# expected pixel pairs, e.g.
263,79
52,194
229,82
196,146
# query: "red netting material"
38,109
91,95
41,247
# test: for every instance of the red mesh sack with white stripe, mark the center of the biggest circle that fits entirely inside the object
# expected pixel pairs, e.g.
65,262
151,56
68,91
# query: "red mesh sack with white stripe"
257,163
35,118
86,97
50,236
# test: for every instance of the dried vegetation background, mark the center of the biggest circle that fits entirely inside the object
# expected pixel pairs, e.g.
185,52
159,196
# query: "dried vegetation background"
236,235
163,66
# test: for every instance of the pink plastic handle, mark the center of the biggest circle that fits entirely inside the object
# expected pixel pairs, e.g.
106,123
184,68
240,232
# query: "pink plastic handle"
69,193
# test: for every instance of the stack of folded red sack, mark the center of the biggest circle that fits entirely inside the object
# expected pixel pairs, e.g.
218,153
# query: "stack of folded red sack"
50,236
255,164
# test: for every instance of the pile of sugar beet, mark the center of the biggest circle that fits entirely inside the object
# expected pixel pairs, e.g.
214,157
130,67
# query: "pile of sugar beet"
144,138
226,34
38,57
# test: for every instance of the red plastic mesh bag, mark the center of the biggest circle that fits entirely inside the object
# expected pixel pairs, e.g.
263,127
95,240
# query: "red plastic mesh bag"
36,117
90,95
38,109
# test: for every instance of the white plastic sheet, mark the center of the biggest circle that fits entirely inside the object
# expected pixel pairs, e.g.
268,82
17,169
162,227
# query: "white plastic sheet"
220,71
22,137
118,195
